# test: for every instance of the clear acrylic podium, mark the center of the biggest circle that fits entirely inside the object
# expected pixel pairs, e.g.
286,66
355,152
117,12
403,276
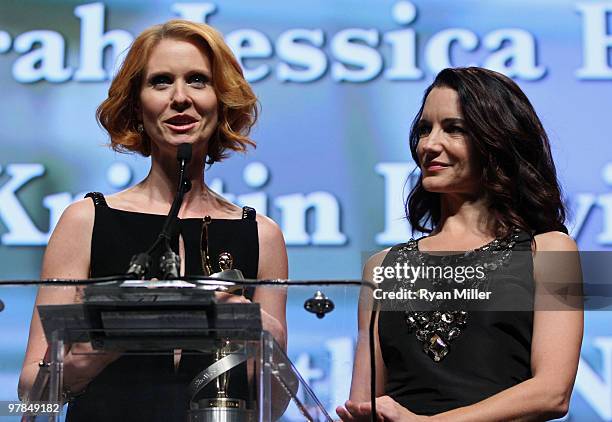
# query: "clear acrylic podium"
183,322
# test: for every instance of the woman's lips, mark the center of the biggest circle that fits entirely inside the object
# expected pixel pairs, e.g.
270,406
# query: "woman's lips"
181,127
435,166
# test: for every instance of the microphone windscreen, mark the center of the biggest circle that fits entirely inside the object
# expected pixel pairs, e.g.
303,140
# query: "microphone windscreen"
184,152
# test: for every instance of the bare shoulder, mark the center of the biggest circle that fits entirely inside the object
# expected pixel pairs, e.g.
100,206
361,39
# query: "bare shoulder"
557,271
78,215
554,241
272,251
378,258
67,254
268,229
373,261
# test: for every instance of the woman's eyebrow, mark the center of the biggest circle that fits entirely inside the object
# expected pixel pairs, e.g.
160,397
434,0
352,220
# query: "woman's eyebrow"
157,73
453,120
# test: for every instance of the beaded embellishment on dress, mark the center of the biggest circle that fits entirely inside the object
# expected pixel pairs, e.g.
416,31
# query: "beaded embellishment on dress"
438,327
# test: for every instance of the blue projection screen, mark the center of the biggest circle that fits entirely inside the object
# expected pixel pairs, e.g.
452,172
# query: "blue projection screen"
339,83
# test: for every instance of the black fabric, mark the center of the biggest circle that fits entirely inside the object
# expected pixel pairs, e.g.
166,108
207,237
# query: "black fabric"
147,387
492,354
97,198
248,213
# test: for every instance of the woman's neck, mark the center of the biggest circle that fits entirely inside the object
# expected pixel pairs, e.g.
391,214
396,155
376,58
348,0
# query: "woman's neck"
461,215
160,185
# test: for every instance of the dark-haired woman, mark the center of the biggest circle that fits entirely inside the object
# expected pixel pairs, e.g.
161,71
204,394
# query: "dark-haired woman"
179,83
487,187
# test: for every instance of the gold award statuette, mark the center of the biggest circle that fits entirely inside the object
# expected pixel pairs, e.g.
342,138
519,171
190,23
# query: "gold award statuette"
220,407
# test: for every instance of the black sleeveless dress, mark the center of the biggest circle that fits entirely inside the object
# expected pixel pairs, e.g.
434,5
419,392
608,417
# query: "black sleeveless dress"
148,388
490,350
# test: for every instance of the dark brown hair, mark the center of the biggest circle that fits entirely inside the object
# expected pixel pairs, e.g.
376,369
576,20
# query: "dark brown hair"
518,172
237,106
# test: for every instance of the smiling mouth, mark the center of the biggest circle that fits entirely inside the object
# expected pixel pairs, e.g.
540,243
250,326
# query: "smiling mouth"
433,166
181,123
183,127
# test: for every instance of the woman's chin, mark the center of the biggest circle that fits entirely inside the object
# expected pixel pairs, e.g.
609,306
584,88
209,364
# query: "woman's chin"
435,186
174,140
178,139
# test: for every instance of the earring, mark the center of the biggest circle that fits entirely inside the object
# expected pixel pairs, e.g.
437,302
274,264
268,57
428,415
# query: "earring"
139,128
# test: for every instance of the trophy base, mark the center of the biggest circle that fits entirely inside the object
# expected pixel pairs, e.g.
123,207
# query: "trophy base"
222,410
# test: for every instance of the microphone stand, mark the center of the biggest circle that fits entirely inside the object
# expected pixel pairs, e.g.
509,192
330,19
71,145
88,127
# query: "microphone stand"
169,261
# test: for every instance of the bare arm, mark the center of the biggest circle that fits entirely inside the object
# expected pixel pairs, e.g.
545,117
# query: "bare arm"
360,385
273,301
66,256
272,265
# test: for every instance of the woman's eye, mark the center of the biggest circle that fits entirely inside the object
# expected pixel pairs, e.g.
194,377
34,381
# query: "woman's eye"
456,129
198,79
422,130
160,80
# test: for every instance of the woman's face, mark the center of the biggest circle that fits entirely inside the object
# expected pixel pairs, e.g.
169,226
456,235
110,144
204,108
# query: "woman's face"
444,150
177,101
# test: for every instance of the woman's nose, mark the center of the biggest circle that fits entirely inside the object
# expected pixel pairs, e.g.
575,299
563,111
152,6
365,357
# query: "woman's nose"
432,142
180,97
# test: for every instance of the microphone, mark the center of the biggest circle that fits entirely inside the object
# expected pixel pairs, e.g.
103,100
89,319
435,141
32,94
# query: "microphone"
184,152
169,261
183,156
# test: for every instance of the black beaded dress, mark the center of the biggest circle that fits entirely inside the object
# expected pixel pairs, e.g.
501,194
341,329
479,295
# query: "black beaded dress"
148,387
436,360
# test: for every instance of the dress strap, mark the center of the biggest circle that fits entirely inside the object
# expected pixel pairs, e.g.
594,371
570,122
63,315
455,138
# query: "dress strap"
248,213
98,199
523,241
